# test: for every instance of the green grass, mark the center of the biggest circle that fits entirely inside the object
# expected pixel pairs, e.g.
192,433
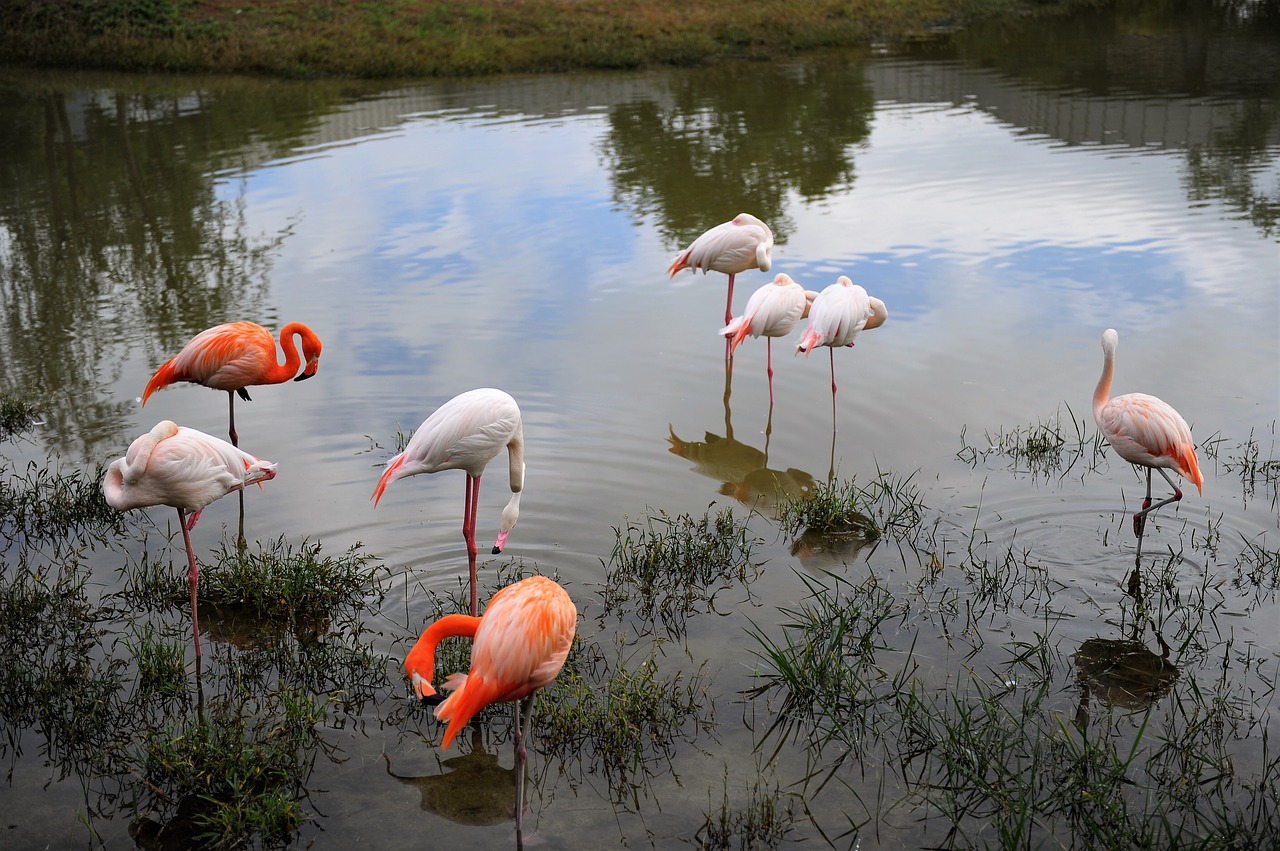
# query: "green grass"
427,38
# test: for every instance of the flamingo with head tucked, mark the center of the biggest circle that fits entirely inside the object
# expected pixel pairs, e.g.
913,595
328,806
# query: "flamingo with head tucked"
466,433
733,247
1145,431
186,469
235,356
772,311
838,315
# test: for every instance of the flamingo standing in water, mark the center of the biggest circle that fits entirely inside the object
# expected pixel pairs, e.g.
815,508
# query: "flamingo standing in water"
236,355
839,314
466,433
772,311
521,644
186,469
735,246
1146,431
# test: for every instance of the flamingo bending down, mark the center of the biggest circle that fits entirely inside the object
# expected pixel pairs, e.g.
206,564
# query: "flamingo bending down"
236,355
838,315
1146,431
772,311
186,469
521,644
735,246
466,433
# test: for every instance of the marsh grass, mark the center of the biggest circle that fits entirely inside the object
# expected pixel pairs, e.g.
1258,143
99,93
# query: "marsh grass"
767,819
16,416
44,505
1246,462
247,762
429,38
887,506
1045,449
618,714
665,569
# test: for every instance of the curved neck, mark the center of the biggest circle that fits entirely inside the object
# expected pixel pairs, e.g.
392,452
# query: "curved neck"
283,372
420,664
1103,391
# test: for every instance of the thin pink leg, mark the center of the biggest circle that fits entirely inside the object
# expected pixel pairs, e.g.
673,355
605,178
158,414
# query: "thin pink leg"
728,317
193,579
470,507
833,388
231,407
769,361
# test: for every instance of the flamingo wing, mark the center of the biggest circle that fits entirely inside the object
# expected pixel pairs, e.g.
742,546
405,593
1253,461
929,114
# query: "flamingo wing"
1148,431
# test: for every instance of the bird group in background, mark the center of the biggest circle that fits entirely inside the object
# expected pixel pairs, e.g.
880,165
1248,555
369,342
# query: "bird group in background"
185,469
235,356
466,433
524,636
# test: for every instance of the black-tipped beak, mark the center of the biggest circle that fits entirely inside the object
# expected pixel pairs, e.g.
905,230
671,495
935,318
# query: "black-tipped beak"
432,700
496,549
304,376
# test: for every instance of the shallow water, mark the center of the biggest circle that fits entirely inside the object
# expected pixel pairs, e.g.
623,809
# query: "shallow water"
1009,196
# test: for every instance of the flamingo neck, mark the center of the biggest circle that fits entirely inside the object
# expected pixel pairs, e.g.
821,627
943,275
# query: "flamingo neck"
420,664
1103,391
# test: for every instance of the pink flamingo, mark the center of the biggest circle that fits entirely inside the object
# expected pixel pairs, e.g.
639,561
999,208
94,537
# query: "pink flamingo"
521,644
236,355
838,315
1146,431
186,469
466,433
735,246
772,311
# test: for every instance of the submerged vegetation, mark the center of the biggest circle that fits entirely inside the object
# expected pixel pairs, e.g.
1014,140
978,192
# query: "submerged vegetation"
430,38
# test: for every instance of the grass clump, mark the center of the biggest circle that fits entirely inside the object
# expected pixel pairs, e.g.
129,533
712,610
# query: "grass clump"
666,569
767,820
16,416
46,505
1041,449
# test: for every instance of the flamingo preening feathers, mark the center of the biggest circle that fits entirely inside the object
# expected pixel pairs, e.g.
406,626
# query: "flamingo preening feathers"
733,247
234,356
466,433
186,469
520,644
1145,431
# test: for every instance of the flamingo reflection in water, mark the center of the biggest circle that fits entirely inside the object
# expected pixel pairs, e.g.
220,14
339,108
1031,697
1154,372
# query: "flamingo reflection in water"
837,316
187,470
520,644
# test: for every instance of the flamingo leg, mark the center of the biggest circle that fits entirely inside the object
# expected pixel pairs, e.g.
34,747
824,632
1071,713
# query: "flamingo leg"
193,579
769,362
523,727
470,506
1140,518
231,416
728,317
832,351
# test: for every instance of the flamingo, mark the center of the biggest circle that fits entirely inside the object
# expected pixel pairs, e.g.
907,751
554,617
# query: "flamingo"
236,355
1145,431
735,246
521,643
772,311
186,469
466,433
838,314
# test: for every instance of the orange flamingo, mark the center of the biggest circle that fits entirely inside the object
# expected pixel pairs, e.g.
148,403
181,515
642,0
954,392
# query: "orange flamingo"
837,316
521,644
186,469
236,355
466,433
735,246
772,311
1145,431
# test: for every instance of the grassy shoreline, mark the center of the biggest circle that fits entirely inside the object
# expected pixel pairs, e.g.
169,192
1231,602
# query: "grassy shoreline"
429,38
